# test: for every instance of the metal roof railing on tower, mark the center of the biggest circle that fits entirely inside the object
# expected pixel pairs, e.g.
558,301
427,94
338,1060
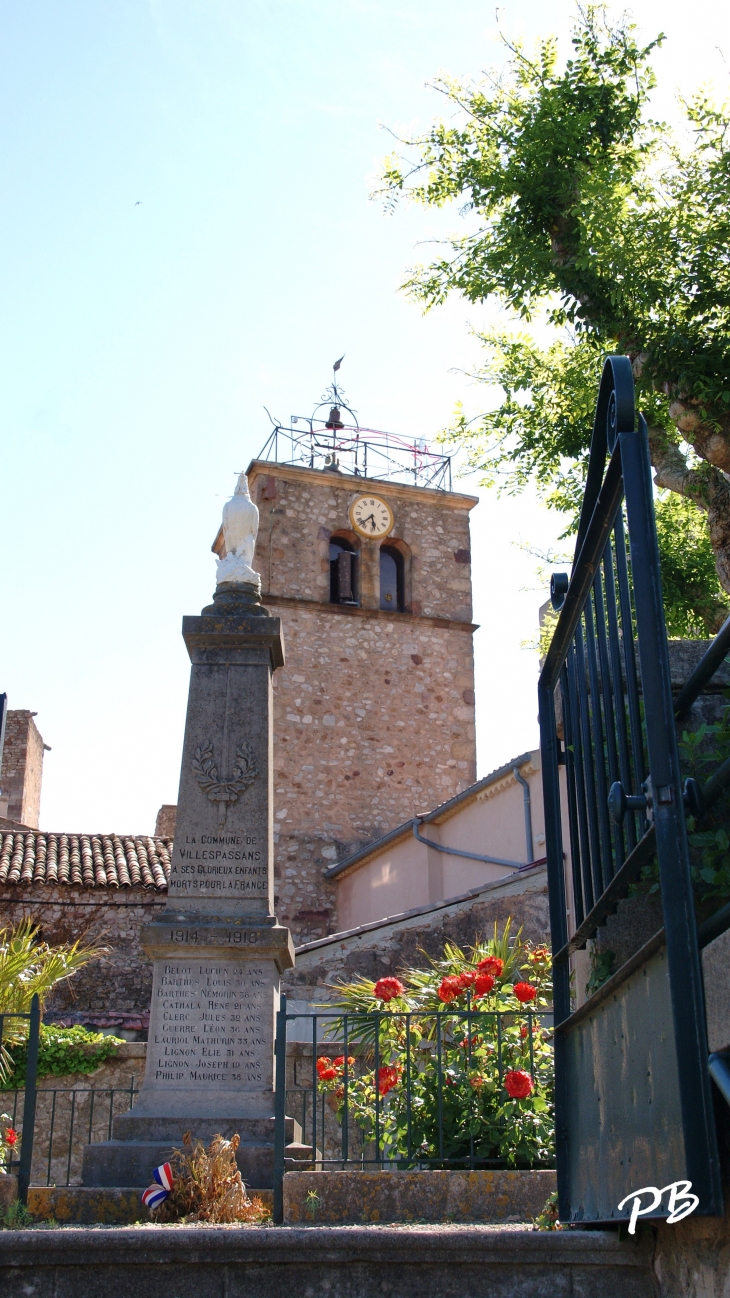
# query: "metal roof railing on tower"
360,452
325,441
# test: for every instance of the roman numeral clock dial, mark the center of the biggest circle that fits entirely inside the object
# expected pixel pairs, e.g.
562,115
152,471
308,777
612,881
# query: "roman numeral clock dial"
371,516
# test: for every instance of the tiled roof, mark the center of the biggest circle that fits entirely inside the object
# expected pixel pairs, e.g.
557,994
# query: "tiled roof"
88,860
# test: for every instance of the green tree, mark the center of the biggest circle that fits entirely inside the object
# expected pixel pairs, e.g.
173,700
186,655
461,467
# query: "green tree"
589,212
27,966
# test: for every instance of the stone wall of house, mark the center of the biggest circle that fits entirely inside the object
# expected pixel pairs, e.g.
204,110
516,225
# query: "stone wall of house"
374,711
119,982
21,772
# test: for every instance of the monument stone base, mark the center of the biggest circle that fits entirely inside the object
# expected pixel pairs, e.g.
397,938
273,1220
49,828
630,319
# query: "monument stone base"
146,1143
210,1052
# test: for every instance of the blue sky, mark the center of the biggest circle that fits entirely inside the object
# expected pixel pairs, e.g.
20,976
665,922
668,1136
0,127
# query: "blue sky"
187,237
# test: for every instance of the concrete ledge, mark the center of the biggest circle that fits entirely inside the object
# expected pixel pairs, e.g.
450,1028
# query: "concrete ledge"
433,1196
344,1262
86,1205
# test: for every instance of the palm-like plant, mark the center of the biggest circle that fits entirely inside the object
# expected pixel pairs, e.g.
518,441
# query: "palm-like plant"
28,966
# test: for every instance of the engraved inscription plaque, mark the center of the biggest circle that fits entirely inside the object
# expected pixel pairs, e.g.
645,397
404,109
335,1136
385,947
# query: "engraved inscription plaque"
211,1024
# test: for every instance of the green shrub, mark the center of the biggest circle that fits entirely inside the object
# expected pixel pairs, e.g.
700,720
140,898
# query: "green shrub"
480,1085
61,1051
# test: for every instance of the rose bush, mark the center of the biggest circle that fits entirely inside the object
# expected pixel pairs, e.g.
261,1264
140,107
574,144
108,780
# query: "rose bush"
9,1143
453,1062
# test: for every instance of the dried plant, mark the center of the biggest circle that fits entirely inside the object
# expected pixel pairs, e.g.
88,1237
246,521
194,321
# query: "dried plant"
207,1185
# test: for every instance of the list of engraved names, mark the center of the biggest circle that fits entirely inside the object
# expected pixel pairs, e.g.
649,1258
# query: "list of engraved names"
211,1023
220,865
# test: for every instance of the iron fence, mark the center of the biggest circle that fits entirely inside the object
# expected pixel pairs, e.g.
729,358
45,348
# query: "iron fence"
417,1089
632,1091
9,1030
64,1120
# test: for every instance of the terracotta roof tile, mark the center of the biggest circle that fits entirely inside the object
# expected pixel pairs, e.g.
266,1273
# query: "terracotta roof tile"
30,857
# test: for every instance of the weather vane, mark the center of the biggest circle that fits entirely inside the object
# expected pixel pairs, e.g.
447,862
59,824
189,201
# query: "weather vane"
334,397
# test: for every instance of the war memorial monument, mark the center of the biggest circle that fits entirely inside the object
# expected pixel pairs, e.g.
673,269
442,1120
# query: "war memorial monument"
217,949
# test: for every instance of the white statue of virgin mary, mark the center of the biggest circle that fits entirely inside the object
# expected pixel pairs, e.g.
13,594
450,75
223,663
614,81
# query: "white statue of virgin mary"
240,526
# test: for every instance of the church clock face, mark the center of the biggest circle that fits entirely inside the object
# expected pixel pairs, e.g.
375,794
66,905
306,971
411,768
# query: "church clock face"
371,516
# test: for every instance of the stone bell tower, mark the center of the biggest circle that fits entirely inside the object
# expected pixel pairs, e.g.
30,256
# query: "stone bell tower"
374,709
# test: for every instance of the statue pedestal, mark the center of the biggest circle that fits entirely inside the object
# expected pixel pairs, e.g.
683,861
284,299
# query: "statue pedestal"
218,952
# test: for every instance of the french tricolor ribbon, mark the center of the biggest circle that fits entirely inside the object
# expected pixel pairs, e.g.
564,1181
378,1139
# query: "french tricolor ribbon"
163,1176
156,1194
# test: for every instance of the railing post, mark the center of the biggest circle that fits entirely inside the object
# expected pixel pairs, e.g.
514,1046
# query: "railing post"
31,1071
279,1111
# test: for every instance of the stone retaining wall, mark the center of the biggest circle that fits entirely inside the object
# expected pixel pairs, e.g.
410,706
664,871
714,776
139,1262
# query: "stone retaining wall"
73,1103
353,1197
340,1262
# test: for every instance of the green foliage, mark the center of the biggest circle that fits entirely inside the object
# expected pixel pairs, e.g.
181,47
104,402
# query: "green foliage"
586,211
29,966
61,1051
701,752
541,432
548,1218
694,601
456,1072
585,204
601,970
16,1217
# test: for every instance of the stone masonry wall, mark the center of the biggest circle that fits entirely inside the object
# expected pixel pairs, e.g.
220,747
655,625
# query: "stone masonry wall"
370,726
22,769
374,711
120,980
300,509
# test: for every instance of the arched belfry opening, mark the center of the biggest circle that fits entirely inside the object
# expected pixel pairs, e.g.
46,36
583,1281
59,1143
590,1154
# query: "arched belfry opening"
343,571
392,579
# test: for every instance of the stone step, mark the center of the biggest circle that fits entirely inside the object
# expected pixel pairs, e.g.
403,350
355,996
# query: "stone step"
91,1205
130,1162
341,1262
351,1197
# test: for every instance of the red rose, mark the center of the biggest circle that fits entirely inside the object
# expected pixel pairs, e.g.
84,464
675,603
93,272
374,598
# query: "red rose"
388,1077
483,984
524,992
449,990
491,965
387,989
467,978
540,955
327,1074
323,1063
339,1062
11,1136
474,1042
518,1084
523,1031
476,1082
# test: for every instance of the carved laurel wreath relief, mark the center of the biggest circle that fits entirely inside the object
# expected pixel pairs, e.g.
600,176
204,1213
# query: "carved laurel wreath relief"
224,791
